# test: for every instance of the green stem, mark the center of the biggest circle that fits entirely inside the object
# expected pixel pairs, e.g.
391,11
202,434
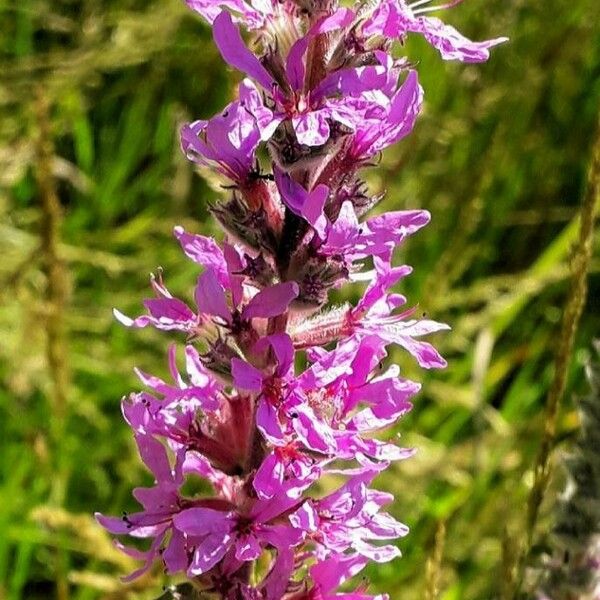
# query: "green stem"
56,303
570,322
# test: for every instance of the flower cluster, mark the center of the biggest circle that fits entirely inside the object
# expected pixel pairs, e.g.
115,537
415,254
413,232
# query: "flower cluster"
279,388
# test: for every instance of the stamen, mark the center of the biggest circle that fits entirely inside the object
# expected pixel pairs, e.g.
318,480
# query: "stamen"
413,5
428,9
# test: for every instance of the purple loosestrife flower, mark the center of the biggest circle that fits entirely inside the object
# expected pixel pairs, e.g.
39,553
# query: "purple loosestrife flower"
310,106
255,14
327,575
242,535
396,18
279,389
223,301
389,120
349,519
228,141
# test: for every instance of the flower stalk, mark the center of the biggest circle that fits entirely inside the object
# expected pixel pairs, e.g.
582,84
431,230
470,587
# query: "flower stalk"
570,323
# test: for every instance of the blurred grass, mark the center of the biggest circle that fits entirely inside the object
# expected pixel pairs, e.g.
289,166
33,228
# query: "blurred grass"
499,158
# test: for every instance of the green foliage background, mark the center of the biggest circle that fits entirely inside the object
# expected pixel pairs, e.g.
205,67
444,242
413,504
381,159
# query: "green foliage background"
499,157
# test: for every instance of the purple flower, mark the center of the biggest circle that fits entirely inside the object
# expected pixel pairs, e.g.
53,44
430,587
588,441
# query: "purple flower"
195,416
220,279
327,575
311,111
396,18
352,403
387,123
373,315
308,205
164,311
254,14
244,535
160,503
227,143
288,460
349,519
202,391
374,237
280,408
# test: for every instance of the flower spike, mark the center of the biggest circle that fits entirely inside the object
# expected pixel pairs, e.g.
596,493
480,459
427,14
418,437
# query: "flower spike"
278,388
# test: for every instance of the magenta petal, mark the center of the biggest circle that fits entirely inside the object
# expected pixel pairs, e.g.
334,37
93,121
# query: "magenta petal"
284,351
209,552
175,554
312,128
386,277
292,193
341,18
245,376
252,14
203,521
198,374
375,134
271,301
380,554
130,551
366,421
405,222
204,251
313,433
332,365
210,296
387,452
309,205
384,527
305,518
282,347
451,44
247,547
229,41
155,383
193,146
268,422
276,582
313,209
198,465
251,100
154,455
406,103
141,321
281,536
427,356
168,308
234,265
228,141
268,477
422,327
345,231
149,559
294,66
332,572
113,524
